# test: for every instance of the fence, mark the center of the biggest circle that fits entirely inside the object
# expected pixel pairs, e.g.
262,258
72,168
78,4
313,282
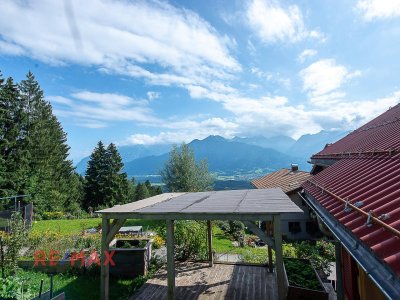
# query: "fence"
9,205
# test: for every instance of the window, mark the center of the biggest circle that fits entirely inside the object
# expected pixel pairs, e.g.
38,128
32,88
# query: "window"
294,227
312,227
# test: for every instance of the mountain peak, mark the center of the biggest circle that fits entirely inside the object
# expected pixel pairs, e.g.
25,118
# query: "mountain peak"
214,138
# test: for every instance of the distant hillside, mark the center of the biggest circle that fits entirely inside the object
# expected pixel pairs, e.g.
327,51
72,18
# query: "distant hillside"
254,155
309,144
223,156
129,153
280,143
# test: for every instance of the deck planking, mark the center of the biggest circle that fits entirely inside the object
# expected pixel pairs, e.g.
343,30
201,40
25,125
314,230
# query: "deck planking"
222,281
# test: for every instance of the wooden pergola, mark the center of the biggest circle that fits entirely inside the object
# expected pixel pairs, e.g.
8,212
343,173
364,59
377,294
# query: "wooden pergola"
241,205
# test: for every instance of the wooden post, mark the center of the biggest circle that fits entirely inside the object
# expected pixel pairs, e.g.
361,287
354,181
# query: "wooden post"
209,235
339,275
270,263
279,258
105,272
269,248
170,260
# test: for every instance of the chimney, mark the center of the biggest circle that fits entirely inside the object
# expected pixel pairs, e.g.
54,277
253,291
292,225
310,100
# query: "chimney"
294,167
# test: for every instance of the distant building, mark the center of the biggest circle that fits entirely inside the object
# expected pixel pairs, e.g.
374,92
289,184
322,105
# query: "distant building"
295,226
356,194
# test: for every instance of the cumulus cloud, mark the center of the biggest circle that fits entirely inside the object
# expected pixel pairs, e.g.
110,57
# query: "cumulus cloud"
323,79
273,22
378,9
122,37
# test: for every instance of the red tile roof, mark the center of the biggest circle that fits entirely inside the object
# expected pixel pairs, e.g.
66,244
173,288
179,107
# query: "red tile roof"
375,182
382,134
368,173
287,180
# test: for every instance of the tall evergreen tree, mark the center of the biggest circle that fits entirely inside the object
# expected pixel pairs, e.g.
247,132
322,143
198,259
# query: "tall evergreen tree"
12,140
141,192
33,149
106,184
52,180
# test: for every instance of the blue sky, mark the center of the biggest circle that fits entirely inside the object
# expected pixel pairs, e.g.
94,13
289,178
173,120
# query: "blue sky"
148,72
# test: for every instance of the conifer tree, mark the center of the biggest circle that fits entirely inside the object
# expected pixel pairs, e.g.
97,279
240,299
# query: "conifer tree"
52,180
13,140
106,184
141,192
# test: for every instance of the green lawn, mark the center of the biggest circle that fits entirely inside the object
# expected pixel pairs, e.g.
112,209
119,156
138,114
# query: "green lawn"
78,286
222,244
75,226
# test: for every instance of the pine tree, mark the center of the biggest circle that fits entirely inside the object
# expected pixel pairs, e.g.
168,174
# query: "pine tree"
106,184
141,192
52,180
118,188
13,151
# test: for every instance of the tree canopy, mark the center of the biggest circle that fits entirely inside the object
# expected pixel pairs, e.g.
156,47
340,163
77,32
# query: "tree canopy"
33,149
181,173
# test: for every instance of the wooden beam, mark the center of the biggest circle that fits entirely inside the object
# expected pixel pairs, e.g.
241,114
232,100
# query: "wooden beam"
279,258
114,228
189,216
170,260
104,279
209,236
258,232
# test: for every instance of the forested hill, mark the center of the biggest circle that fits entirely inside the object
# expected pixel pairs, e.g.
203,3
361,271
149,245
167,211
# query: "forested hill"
230,156
223,156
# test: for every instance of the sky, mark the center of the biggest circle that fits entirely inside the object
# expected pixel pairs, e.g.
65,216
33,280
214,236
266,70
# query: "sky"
150,72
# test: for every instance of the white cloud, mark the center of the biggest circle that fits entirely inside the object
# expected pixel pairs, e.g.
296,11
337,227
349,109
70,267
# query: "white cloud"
379,9
323,78
122,37
153,95
273,23
271,76
306,54
97,110
186,131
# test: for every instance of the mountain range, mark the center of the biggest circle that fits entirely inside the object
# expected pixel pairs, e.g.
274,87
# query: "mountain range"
240,156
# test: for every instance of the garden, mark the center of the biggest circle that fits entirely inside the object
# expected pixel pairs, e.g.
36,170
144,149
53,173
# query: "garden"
59,239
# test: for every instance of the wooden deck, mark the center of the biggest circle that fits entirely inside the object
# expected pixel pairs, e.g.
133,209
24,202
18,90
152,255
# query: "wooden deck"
222,281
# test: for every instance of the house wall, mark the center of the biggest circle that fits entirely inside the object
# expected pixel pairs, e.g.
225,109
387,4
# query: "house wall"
301,218
356,283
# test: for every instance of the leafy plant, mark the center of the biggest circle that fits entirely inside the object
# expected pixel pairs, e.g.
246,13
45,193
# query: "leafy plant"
190,239
16,239
300,273
14,288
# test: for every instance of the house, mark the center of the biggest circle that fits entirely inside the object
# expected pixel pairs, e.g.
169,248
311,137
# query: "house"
297,226
355,192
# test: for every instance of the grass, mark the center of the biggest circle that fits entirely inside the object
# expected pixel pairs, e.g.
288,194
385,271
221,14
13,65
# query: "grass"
75,226
222,244
78,286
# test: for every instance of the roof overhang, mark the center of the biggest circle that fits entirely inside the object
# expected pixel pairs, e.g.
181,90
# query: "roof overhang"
384,278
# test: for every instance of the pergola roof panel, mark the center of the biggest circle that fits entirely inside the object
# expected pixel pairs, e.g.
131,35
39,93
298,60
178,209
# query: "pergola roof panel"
232,202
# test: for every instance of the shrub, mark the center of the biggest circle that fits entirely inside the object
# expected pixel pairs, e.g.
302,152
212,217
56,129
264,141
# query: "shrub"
11,288
16,239
190,240
52,215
